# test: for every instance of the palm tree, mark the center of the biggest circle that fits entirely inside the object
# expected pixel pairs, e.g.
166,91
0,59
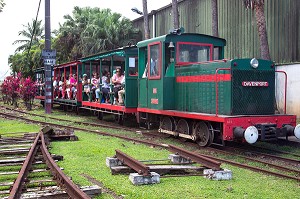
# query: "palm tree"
146,20
2,4
89,31
32,34
214,13
175,14
258,6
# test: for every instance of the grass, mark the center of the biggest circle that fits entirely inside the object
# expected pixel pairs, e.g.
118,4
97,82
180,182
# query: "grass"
88,155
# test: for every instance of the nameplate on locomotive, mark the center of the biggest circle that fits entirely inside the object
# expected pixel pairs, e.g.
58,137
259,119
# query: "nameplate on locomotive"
256,84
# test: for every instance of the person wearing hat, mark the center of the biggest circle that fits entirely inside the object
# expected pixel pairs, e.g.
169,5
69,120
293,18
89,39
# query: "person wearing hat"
85,83
116,80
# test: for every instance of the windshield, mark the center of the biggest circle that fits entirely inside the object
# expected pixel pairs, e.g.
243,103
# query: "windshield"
188,52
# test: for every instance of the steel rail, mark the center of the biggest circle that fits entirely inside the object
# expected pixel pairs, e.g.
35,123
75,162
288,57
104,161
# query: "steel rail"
205,161
254,168
136,165
87,130
285,159
256,160
73,190
18,186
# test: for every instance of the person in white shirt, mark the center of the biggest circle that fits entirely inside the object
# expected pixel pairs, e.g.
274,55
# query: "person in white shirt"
121,92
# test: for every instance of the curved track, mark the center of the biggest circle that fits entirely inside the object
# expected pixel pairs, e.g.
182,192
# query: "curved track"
62,180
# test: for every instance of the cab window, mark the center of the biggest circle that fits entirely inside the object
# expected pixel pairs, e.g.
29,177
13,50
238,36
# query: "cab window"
188,52
154,61
133,66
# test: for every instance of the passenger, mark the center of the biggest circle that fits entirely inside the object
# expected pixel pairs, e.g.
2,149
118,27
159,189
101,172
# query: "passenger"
116,80
69,86
73,83
85,83
55,87
105,87
121,92
40,84
95,84
60,87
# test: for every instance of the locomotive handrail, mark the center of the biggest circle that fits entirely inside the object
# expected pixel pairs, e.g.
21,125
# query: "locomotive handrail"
285,87
217,88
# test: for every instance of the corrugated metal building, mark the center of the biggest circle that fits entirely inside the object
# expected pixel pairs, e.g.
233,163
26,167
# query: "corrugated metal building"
237,25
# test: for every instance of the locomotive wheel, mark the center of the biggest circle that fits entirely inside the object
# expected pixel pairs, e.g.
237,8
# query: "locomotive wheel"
167,123
202,134
212,135
183,127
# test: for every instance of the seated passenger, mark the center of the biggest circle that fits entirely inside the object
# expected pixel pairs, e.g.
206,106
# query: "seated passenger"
69,86
73,83
121,93
95,84
116,80
55,87
60,87
105,87
85,84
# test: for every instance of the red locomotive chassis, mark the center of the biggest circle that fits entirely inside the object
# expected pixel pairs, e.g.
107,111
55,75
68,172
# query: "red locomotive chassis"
229,122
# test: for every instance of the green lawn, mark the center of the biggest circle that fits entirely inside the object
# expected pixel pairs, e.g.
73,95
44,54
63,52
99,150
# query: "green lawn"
88,155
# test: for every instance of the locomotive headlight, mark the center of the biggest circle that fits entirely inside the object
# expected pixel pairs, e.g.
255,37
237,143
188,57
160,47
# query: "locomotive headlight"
297,131
254,63
251,134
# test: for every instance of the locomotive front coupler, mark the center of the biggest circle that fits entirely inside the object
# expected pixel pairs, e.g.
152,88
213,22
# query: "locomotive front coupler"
289,130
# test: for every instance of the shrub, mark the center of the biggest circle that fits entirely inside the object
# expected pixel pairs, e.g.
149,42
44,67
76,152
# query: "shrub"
27,91
10,89
14,87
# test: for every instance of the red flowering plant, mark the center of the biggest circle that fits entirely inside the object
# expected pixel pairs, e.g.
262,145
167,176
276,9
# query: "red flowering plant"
28,90
10,89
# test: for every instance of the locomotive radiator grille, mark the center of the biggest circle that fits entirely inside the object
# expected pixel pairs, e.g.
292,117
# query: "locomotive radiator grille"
253,92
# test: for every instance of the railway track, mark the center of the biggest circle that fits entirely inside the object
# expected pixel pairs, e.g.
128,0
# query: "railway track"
102,125
268,171
32,171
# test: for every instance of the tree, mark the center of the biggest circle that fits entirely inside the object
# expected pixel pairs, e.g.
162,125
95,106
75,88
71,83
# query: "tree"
25,62
175,14
258,7
146,20
33,33
91,30
214,13
2,4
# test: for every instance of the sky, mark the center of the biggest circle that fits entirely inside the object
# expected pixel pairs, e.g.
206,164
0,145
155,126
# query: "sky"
17,13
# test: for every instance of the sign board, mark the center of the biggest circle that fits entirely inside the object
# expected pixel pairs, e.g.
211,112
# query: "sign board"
49,61
49,57
50,54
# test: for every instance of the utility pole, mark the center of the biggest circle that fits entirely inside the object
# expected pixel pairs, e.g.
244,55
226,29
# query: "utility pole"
49,57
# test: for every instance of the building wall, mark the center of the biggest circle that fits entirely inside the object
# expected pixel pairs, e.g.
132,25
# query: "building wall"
293,89
238,26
